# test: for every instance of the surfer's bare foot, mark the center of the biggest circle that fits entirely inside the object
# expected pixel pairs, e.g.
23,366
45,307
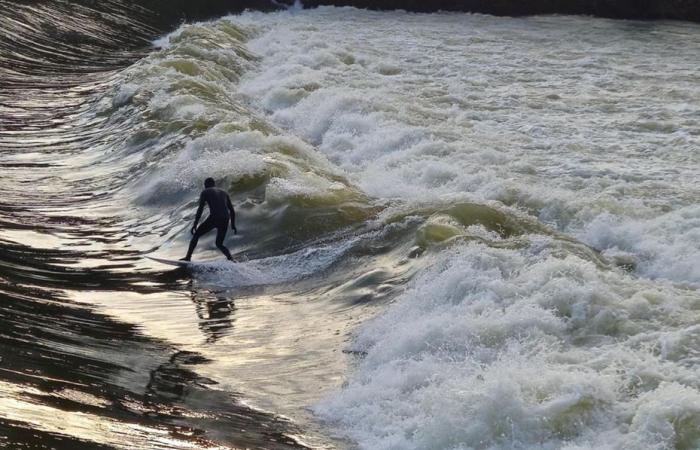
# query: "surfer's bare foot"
185,259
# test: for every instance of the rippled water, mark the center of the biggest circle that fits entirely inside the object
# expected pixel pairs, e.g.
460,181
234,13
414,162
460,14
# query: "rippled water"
456,231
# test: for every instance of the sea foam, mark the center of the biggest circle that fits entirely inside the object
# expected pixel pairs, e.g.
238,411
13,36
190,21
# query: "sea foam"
459,117
502,343
509,347
512,350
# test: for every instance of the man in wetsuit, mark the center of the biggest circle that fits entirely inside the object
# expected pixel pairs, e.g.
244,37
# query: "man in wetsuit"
219,208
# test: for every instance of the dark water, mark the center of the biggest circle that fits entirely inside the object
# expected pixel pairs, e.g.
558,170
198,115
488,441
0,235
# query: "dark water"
71,377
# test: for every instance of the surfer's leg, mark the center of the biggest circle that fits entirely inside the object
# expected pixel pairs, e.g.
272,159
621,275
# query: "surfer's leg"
220,235
203,229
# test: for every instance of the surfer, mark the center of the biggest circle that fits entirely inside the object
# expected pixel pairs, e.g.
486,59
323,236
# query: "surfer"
219,208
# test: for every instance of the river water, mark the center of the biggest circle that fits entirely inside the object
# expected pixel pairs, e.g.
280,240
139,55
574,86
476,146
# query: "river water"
455,232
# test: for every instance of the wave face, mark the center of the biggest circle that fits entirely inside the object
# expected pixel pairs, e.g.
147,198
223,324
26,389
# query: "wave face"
75,374
456,232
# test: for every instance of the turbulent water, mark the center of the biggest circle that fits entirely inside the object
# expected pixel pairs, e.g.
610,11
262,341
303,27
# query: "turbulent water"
455,232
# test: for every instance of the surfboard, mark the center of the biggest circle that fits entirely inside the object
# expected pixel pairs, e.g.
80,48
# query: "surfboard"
172,262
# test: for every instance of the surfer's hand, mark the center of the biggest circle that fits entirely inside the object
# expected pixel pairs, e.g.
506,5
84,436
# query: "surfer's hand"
233,227
194,229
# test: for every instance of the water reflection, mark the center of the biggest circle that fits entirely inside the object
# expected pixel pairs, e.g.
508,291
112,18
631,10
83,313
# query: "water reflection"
215,314
172,378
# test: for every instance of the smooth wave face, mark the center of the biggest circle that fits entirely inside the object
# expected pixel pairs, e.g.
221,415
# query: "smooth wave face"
455,232
73,374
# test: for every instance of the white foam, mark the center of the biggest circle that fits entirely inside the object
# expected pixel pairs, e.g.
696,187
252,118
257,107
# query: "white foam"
667,246
163,42
502,349
187,91
489,348
424,107
276,269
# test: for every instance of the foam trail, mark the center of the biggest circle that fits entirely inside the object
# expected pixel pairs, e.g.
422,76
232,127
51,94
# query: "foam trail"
275,269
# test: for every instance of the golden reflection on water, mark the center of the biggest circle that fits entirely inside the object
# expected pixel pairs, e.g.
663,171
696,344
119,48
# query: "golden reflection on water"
258,343
21,403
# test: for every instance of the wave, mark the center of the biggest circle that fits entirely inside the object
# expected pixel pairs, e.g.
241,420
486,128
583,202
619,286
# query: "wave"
429,144
72,375
498,348
528,256
663,247
514,334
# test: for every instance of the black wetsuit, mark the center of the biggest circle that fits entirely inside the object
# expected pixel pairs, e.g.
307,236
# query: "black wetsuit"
220,213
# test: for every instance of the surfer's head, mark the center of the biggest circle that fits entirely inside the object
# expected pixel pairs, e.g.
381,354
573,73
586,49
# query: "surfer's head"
209,182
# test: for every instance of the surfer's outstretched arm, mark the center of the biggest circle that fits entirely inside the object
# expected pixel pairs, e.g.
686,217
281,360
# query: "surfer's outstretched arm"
198,216
229,205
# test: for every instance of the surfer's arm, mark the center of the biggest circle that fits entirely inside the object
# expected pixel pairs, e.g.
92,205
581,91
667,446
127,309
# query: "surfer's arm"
198,216
229,205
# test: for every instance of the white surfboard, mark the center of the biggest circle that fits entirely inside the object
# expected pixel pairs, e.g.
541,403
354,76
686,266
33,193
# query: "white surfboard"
172,262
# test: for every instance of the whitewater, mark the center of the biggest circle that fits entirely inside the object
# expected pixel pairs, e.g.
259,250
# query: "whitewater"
579,330
503,339
457,231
